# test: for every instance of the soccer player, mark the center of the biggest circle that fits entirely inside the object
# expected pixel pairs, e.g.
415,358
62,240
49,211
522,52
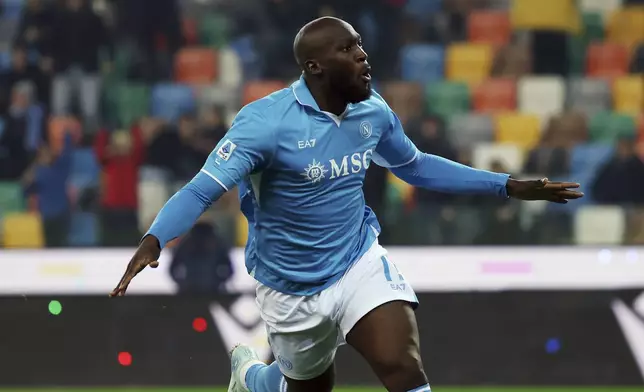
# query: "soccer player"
299,158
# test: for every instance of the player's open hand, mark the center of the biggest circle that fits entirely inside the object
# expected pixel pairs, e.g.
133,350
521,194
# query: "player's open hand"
556,192
146,255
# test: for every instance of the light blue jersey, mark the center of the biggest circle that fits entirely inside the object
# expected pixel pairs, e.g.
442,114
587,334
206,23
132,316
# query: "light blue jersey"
300,173
303,198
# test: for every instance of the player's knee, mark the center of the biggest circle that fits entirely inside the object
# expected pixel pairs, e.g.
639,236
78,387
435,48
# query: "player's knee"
399,369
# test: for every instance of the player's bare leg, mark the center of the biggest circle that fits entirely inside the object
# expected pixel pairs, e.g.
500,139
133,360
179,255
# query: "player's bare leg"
387,337
322,383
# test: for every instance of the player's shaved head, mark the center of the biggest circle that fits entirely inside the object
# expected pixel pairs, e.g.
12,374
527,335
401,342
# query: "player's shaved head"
315,36
329,52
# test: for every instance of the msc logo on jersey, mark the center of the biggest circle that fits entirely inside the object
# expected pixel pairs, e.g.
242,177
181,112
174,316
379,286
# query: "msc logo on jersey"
226,150
315,172
365,129
348,164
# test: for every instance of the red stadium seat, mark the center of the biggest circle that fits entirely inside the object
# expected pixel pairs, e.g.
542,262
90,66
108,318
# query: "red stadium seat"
259,89
495,95
489,27
196,66
607,60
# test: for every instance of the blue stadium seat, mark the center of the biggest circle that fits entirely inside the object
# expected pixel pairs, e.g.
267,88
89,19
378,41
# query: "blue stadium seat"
422,63
85,169
5,61
83,230
251,62
585,161
422,7
170,101
12,9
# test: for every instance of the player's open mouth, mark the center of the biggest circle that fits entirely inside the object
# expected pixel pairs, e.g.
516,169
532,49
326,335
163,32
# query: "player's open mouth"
366,77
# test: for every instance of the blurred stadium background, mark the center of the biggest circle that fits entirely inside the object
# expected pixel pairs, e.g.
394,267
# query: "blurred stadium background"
109,106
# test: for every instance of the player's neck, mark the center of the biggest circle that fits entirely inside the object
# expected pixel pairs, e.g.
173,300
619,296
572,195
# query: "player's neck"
326,100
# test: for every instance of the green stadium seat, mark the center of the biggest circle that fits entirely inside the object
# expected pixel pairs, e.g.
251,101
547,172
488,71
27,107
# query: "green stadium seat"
213,31
446,99
11,198
126,103
577,55
593,27
608,127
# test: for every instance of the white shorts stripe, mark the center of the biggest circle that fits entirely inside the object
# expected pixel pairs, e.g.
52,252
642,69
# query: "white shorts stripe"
214,178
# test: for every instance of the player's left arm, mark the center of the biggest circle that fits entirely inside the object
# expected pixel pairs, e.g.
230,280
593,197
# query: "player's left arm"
396,152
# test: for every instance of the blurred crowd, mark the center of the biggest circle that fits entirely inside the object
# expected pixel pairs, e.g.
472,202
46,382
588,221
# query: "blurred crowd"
109,106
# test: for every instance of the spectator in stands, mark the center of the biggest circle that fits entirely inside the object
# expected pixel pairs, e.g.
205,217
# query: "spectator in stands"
35,26
22,132
47,180
120,153
22,71
201,261
550,157
78,35
190,150
621,180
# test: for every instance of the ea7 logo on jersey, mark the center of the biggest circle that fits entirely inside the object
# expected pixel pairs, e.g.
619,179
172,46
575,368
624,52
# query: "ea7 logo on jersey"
226,150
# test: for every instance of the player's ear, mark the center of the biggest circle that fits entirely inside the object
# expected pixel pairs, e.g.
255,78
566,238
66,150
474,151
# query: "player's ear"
313,67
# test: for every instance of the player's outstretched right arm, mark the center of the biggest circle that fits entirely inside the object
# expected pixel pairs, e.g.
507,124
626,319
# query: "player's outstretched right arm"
247,147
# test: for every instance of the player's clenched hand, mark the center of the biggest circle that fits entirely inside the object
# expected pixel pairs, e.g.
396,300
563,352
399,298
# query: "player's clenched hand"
556,192
146,255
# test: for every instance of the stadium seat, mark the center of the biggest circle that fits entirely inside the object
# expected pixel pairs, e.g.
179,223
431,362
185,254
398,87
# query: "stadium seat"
12,9
489,27
558,15
213,30
446,99
626,26
152,193
12,198
468,129
608,127
593,27
602,7
577,55
241,230
422,63
543,96
196,66
495,95
5,60
256,90
607,60
404,98
470,63
22,230
628,94
59,127
521,130
219,95
170,101
585,161
511,156
127,103
85,171
589,95
599,225
231,70
83,231
251,63
422,7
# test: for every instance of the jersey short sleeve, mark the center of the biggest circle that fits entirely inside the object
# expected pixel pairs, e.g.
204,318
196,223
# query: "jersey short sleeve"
395,149
248,147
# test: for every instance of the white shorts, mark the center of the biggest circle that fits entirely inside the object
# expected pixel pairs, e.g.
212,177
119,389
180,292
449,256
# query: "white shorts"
305,332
